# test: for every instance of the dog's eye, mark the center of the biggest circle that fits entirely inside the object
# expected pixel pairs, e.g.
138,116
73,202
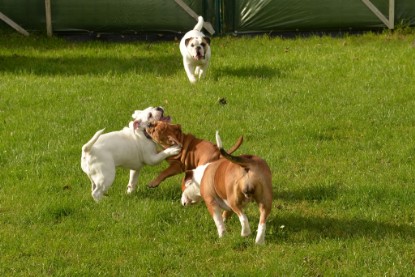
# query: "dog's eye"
203,44
150,115
192,45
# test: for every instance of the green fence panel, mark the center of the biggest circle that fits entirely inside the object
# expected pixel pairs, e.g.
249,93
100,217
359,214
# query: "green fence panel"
282,15
106,15
237,16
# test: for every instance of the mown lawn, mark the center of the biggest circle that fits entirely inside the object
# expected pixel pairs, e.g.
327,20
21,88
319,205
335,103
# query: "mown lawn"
333,117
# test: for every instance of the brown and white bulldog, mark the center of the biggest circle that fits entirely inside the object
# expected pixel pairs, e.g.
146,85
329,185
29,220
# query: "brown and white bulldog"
229,184
194,151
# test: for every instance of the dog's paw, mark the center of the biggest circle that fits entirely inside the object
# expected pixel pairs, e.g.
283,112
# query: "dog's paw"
174,150
246,231
192,80
153,185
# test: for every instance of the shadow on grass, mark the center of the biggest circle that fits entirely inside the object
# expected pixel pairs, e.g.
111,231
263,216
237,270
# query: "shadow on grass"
164,192
299,228
258,72
315,193
159,65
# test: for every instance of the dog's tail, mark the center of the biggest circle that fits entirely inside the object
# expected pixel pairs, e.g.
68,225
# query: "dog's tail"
235,146
199,25
241,160
87,146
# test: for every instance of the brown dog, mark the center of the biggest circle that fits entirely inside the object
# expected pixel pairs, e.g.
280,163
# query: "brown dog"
229,183
194,152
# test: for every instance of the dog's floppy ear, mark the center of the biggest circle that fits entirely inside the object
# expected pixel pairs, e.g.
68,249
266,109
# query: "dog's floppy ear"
186,42
207,39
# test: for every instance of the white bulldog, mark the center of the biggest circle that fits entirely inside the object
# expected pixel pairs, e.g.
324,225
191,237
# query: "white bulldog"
130,147
195,49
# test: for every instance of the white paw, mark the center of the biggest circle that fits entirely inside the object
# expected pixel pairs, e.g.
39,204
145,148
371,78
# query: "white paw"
174,150
246,231
192,80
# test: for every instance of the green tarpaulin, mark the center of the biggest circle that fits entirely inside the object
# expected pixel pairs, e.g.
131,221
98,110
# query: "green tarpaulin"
226,16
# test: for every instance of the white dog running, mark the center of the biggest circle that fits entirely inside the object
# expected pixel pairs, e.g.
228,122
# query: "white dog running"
130,148
195,49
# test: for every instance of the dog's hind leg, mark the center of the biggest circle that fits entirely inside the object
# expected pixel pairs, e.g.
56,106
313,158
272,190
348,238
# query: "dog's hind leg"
217,217
246,230
102,183
264,213
132,183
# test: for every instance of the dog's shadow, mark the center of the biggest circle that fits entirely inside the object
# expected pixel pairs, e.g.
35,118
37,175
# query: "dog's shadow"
298,228
291,225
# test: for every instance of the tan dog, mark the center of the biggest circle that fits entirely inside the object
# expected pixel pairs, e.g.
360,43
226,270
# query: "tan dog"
194,151
229,183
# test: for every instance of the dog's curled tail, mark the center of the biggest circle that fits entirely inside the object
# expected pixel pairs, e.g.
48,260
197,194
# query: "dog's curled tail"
235,159
87,146
199,25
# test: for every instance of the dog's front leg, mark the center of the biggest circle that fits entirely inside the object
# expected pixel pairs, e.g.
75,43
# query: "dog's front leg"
173,169
201,72
190,71
132,183
157,158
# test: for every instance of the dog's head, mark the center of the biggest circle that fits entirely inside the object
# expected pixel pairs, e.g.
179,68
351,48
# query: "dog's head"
191,185
197,47
165,134
142,118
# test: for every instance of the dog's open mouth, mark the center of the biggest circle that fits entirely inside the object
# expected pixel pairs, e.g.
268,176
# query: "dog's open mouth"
199,56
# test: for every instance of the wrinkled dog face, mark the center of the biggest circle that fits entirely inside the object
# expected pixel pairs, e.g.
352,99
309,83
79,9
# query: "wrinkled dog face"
165,134
148,116
197,47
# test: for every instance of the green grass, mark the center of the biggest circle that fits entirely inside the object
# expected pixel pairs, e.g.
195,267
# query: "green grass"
333,117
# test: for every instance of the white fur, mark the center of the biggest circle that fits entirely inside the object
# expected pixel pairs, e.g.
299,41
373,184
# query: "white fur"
191,194
129,148
260,237
246,230
196,54
217,218
218,140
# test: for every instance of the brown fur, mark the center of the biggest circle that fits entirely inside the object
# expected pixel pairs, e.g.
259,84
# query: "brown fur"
194,152
238,184
231,182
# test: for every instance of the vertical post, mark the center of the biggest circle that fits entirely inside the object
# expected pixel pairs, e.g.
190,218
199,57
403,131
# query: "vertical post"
391,14
48,18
